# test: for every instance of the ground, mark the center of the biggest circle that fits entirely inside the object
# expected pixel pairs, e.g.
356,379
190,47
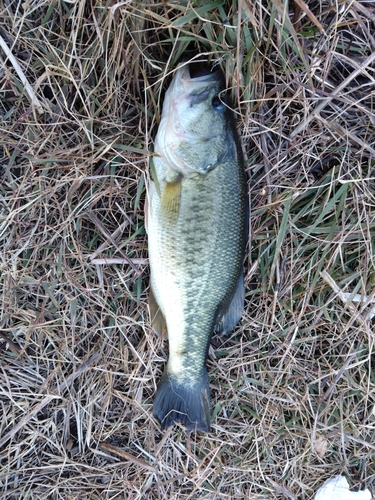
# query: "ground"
293,387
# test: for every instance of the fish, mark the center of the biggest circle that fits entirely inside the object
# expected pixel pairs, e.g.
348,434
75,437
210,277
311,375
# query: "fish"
197,224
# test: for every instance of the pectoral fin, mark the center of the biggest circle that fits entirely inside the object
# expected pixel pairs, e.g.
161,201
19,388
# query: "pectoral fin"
157,317
231,313
171,199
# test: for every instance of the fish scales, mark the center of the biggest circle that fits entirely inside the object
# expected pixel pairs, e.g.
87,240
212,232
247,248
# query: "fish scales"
197,221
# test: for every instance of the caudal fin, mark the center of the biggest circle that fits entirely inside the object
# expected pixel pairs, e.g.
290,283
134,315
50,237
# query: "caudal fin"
189,404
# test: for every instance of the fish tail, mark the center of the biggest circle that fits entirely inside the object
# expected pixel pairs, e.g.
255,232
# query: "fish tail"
177,401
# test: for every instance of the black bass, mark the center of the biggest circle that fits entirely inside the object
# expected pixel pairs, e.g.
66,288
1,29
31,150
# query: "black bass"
197,220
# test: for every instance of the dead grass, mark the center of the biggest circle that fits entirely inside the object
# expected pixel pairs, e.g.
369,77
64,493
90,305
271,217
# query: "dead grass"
293,388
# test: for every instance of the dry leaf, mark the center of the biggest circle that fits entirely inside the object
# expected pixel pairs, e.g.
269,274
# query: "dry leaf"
321,445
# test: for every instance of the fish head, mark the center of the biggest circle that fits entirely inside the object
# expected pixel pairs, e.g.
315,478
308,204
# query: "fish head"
194,104
194,116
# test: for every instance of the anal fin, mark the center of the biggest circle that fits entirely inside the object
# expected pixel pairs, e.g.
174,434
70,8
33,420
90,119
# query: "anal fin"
232,312
157,317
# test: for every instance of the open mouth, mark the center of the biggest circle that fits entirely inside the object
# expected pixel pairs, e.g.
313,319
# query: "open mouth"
197,70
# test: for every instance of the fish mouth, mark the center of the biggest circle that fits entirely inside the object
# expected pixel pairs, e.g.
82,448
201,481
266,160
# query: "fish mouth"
200,72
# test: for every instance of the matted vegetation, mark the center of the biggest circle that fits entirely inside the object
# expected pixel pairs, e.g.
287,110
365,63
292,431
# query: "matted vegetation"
293,387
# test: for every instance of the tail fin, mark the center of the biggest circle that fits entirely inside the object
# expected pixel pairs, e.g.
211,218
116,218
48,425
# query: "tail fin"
177,401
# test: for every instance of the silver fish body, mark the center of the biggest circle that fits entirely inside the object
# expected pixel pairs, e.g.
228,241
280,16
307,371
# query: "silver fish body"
197,220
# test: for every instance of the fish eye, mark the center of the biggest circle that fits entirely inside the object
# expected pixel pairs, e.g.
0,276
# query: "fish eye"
216,103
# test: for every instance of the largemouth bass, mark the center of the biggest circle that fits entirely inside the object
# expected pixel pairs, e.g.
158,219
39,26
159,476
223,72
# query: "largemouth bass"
197,219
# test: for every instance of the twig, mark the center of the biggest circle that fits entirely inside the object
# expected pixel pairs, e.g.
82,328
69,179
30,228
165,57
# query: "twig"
264,149
360,441
356,315
339,375
101,228
114,235
281,489
303,6
118,260
22,77
127,456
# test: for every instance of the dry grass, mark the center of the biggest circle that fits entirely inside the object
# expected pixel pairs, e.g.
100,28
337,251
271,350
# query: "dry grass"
293,388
